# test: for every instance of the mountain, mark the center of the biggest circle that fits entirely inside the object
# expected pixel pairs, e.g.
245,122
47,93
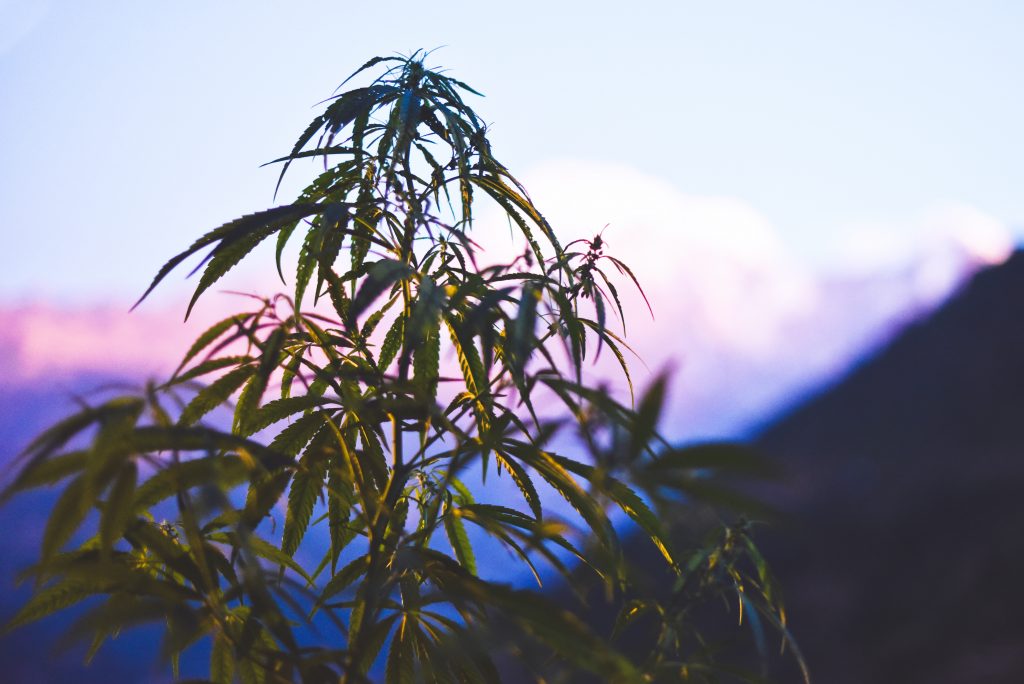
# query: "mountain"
901,546
904,552
899,543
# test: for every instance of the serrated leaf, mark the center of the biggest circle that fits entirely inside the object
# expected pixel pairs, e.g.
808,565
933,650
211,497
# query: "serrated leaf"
427,359
343,579
392,343
631,504
524,483
231,233
378,635
336,292
559,478
59,434
66,516
252,393
306,136
209,335
379,278
459,540
262,549
307,261
295,437
210,366
226,471
214,395
279,409
53,598
307,485
339,507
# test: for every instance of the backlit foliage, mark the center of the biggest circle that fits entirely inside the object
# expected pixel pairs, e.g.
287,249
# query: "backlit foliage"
328,534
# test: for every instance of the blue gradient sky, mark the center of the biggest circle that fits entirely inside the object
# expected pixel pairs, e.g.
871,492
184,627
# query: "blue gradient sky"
127,128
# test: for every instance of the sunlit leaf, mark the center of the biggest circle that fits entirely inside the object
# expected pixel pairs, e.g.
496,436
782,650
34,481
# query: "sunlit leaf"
459,540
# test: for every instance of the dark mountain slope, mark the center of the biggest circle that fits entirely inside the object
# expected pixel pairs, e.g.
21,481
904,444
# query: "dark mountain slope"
904,557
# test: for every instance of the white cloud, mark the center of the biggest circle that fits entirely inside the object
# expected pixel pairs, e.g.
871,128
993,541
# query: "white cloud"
746,326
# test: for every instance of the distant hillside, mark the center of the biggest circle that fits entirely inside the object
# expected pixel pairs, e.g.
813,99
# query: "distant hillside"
904,559
904,547
900,547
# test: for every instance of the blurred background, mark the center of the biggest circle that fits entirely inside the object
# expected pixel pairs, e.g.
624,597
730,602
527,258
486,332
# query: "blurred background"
822,201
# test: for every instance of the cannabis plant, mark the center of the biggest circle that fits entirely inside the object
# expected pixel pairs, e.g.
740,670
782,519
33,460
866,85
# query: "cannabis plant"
309,490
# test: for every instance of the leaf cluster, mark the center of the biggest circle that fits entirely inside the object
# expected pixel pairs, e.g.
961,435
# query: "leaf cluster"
344,415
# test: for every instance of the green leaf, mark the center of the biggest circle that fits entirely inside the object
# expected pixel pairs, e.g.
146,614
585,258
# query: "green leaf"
336,292
119,506
53,598
722,457
296,436
631,504
378,635
647,416
525,484
459,539
307,486
222,661
427,360
262,549
210,366
344,578
554,472
279,409
307,261
235,238
66,516
379,278
215,394
340,500
392,343
151,438
58,435
252,393
263,495
47,471
211,334
399,666
306,136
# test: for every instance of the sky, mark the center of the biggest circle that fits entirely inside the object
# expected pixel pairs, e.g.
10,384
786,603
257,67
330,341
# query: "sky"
793,181
128,128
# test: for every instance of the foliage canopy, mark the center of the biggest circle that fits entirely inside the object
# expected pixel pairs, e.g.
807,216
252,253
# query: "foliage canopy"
345,417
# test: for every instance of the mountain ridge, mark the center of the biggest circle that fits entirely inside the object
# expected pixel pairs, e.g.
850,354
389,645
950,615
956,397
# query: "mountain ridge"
906,475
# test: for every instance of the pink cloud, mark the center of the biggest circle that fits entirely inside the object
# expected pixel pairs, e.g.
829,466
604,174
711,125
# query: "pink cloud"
746,327
43,340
